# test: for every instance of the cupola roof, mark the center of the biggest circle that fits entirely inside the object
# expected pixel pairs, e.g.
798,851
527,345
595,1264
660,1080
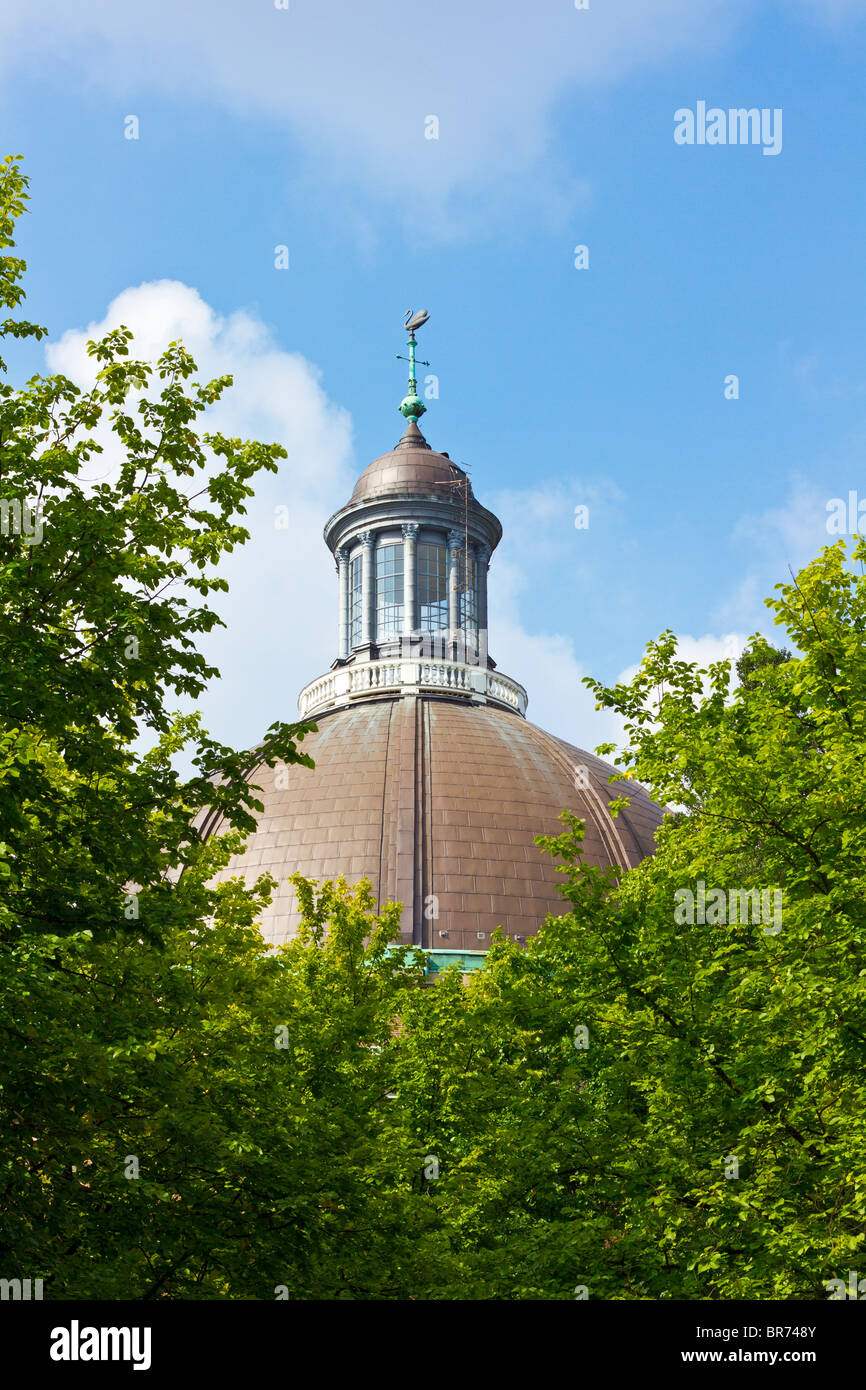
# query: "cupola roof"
411,467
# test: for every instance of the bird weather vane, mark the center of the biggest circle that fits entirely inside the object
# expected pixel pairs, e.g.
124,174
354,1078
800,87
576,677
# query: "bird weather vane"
412,406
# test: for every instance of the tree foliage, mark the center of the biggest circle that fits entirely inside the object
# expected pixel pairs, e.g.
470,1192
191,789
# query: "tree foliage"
205,1120
660,1097
99,618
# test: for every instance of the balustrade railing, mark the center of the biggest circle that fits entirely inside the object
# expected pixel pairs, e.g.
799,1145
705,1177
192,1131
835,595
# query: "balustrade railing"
340,687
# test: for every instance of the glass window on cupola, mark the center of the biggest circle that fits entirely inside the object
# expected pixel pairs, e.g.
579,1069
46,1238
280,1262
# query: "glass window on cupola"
432,588
356,593
468,592
389,590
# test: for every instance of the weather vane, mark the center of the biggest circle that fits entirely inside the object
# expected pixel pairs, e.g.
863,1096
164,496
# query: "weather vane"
412,406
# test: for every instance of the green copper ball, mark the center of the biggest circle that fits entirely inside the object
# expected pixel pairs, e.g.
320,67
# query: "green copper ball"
413,408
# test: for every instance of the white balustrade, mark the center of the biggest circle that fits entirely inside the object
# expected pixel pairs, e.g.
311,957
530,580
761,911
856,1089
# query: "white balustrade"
340,687
507,691
319,692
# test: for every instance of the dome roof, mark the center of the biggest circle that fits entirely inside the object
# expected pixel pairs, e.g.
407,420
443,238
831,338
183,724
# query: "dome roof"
412,468
437,803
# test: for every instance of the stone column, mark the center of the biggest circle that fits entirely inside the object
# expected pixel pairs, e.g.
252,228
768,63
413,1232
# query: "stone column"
410,621
368,587
455,541
342,558
482,560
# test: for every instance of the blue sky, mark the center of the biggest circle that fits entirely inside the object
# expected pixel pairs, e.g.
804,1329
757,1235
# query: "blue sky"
305,127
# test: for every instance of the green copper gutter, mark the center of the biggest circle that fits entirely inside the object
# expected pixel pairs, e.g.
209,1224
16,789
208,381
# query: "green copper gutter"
437,961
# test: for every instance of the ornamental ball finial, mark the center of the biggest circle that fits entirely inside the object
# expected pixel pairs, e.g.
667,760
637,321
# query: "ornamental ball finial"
412,406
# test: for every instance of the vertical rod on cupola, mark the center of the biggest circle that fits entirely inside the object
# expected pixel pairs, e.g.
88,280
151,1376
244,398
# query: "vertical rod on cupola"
412,407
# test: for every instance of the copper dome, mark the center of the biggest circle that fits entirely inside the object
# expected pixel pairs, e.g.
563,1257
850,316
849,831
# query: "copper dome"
428,781
437,801
412,468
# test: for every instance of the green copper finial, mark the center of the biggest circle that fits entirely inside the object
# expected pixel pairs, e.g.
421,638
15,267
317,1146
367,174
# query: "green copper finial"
412,405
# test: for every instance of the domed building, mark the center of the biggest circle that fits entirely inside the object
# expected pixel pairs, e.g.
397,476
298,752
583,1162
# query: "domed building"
429,780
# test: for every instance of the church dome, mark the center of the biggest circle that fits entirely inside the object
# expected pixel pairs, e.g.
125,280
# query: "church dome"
412,467
437,801
429,781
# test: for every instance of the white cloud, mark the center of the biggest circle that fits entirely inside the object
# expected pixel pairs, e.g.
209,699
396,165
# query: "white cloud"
353,84
536,559
276,394
536,546
540,558
538,542
702,651
796,527
281,608
790,534
547,665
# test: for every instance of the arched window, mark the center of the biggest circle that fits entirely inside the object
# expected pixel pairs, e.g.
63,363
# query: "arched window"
389,590
432,588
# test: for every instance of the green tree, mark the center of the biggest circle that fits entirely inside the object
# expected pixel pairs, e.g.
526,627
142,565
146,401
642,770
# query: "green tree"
102,599
750,1041
759,655
206,1120
704,1137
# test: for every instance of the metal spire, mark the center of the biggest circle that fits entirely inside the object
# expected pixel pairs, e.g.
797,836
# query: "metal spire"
412,406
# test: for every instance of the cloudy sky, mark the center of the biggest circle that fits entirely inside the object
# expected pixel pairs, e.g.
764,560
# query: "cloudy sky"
306,125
